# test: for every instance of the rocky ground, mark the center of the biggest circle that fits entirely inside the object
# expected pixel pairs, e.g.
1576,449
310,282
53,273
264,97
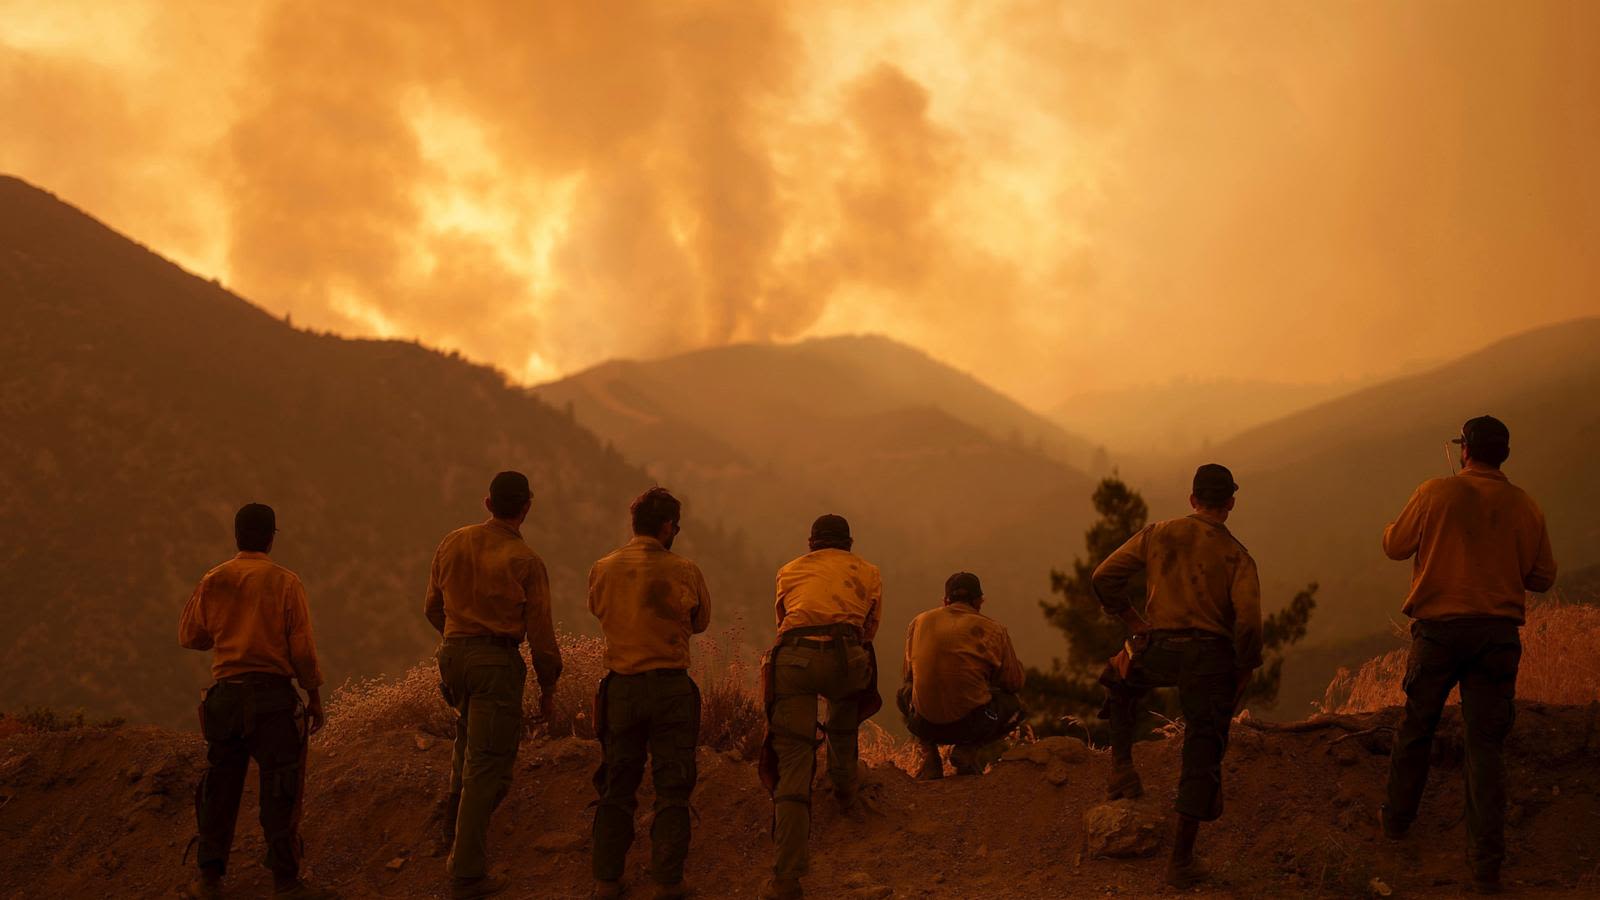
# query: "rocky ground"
106,812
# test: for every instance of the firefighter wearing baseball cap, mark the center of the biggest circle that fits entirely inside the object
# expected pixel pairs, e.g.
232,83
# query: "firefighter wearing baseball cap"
1480,544
1200,631
251,613
961,678
829,604
487,591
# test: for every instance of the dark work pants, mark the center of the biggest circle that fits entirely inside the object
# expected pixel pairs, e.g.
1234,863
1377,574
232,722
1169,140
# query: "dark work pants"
986,724
260,718
1482,656
654,714
483,680
1202,669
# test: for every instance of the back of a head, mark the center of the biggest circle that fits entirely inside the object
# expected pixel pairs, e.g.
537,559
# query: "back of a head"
253,527
509,492
830,532
653,509
963,587
1487,439
1213,485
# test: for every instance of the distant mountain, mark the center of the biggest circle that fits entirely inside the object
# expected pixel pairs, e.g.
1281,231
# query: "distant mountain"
1318,486
141,405
936,471
1186,415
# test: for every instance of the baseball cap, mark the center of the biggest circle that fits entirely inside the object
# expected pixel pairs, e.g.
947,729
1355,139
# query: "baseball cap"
963,586
1214,483
1484,431
830,528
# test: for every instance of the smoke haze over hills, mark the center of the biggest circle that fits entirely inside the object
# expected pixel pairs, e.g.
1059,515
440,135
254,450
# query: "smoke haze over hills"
1058,197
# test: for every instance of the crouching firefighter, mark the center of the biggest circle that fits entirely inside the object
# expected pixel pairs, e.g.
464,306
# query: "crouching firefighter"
961,676
252,614
829,604
1201,631
649,601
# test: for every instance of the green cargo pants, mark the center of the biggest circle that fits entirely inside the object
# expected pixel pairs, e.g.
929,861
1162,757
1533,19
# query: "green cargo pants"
654,713
483,680
802,672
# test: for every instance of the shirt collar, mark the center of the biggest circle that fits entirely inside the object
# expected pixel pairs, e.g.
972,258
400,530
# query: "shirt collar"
647,542
1485,472
504,526
249,554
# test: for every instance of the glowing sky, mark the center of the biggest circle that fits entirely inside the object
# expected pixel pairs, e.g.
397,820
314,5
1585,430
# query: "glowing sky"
1055,197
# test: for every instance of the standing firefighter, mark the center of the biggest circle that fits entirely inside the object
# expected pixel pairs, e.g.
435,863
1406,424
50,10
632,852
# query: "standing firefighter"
962,676
649,601
487,590
252,614
1201,631
829,604
1480,543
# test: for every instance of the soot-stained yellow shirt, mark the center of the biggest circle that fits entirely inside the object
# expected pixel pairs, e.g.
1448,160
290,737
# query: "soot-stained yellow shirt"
828,587
1480,544
955,658
1197,577
649,601
487,581
251,613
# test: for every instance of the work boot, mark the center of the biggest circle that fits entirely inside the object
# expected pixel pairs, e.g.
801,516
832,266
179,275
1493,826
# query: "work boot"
932,767
1486,880
1392,829
1124,783
1186,873
675,891
473,888
207,887
964,759
607,890
782,889
299,890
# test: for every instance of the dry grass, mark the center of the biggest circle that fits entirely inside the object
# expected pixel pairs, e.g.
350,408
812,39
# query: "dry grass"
1560,664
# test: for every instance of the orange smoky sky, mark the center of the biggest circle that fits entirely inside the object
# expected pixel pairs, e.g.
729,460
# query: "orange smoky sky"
1056,197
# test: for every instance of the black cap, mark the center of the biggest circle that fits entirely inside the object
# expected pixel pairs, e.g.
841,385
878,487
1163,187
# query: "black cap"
830,528
511,487
1484,431
1213,483
963,586
254,525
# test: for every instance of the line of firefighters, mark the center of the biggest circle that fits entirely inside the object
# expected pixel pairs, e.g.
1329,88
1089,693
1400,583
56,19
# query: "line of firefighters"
1480,543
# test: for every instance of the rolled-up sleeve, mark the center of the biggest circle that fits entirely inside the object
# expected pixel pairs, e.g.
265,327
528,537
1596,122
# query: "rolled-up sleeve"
539,621
192,633
302,647
1246,597
1110,579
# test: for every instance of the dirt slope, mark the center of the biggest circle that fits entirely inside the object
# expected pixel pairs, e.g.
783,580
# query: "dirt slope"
106,812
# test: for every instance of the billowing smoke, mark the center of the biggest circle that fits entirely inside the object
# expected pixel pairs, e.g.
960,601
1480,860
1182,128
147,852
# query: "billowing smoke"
1053,196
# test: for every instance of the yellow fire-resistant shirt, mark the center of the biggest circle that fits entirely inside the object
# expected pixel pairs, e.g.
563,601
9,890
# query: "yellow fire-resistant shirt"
649,600
955,658
827,587
1198,577
486,581
1480,543
251,613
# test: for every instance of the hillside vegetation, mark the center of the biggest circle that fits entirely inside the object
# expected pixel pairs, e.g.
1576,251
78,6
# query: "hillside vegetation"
143,405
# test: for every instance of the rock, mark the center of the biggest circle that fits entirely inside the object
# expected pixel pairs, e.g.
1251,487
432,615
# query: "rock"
1378,888
423,743
857,880
1056,772
396,864
558,842
1121,829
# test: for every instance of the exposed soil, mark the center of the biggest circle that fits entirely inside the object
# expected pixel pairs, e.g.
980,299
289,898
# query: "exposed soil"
106,813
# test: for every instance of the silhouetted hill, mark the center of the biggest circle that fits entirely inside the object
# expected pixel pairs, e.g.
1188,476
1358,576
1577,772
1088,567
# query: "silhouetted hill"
1317,487
142,405
936,471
